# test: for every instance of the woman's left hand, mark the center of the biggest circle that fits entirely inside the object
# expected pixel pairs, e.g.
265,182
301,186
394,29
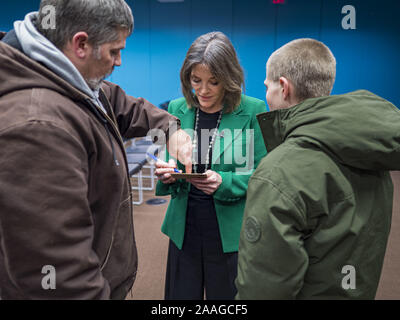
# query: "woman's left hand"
208,185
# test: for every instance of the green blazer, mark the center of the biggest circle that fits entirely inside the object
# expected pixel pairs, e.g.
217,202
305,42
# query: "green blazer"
237,151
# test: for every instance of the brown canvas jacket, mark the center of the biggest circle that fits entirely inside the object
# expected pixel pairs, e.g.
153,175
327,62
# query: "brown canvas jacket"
65,195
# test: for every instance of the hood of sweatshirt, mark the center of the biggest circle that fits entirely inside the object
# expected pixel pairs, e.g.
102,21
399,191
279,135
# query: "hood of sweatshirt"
358,129
40,49
18,71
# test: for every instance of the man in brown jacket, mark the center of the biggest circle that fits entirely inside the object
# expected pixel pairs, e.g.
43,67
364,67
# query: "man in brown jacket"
66,229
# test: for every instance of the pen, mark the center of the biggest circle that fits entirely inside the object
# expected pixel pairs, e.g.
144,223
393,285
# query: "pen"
156,159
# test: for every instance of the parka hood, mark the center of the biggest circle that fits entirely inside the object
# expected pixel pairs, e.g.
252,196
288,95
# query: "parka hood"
358,129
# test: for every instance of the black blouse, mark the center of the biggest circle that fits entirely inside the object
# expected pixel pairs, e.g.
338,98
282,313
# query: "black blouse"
206,121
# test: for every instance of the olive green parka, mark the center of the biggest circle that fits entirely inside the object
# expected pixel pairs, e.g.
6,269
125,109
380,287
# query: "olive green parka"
319,205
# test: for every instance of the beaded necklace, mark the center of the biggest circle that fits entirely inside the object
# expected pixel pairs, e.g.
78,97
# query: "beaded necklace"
210,145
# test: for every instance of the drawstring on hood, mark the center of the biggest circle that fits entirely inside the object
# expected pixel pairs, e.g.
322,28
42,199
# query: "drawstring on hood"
40,49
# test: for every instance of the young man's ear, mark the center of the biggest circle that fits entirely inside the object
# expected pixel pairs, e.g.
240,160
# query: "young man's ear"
285,87
288,92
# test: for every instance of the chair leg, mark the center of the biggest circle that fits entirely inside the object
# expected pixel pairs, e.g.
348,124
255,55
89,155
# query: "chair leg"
151,176
139,188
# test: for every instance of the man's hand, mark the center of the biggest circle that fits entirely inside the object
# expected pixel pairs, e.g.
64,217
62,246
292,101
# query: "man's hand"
179,146
208,185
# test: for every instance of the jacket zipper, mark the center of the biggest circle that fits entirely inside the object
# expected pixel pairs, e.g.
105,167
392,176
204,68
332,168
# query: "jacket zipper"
120,143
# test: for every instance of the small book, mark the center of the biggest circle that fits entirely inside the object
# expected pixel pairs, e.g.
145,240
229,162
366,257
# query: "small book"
188,175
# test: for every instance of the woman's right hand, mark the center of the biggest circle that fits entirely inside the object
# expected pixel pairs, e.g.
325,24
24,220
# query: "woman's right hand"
163,171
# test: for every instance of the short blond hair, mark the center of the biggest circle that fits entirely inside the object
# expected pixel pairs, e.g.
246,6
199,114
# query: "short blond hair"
308,64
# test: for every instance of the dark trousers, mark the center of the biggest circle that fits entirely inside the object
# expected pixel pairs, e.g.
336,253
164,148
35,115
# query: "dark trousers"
201,268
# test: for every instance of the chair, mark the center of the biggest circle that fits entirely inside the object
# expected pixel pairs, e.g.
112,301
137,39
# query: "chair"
136,151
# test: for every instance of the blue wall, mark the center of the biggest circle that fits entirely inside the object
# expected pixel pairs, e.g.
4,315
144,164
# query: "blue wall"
367,57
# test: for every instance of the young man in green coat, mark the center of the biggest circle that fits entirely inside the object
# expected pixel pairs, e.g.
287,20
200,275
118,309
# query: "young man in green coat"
319,205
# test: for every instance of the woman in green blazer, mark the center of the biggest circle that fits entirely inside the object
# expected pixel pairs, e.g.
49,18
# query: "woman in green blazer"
204,217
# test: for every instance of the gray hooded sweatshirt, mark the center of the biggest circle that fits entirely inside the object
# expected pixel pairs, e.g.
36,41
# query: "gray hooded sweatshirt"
40,49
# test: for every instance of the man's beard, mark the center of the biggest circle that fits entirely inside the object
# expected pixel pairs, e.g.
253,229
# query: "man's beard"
95,83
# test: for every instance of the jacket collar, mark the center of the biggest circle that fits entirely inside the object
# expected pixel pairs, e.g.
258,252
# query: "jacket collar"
271,128
277,125
183,109
11,39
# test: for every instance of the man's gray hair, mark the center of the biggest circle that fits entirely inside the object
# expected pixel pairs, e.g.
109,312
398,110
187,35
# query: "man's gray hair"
308,64
100,19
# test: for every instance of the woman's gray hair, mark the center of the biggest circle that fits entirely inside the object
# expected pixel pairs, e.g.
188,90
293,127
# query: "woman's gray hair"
100,19
216,51
308,64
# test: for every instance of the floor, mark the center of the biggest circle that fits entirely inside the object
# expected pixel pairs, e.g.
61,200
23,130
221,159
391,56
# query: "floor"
153,247
389,286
